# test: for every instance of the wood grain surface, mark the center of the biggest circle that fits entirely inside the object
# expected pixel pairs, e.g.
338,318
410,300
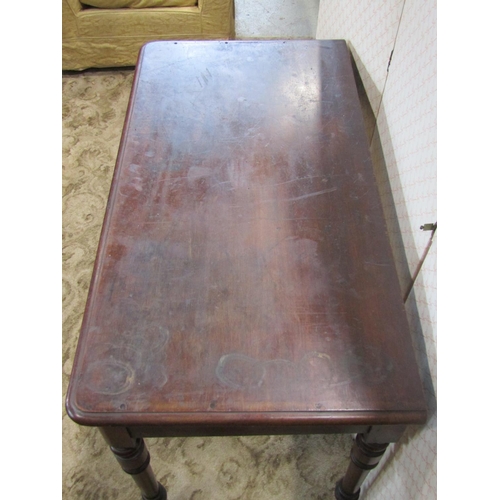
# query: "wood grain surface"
244,272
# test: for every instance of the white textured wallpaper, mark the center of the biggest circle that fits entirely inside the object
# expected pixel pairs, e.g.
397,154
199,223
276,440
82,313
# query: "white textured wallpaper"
370,28
406,123
402,140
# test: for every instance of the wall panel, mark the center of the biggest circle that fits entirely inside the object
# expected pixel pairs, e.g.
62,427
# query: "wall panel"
406,125
370,30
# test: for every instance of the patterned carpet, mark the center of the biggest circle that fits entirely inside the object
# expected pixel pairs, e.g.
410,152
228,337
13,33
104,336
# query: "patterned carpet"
225,468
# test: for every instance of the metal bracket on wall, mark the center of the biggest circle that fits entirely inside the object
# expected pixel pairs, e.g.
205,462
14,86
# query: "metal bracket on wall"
425,227
429,227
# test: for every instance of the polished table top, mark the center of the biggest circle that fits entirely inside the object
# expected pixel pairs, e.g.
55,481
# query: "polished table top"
244,272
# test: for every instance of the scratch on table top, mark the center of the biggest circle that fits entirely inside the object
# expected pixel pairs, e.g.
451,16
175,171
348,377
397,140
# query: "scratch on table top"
297,179
295,198
310,195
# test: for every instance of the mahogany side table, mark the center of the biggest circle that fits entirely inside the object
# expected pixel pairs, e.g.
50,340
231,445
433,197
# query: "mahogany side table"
244,283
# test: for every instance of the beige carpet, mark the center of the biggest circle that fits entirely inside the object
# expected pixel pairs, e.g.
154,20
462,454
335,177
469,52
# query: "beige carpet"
243,468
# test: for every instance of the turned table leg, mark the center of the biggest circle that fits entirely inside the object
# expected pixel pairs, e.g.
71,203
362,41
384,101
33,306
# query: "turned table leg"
133,456
364,457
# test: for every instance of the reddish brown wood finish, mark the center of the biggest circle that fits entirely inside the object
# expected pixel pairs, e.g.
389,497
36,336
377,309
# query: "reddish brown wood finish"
244,278
133,457
364,458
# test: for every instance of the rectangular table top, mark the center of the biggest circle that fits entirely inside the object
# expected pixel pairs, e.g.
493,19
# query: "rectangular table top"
244,266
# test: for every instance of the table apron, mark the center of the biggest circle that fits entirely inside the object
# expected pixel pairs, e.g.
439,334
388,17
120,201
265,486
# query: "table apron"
381,433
